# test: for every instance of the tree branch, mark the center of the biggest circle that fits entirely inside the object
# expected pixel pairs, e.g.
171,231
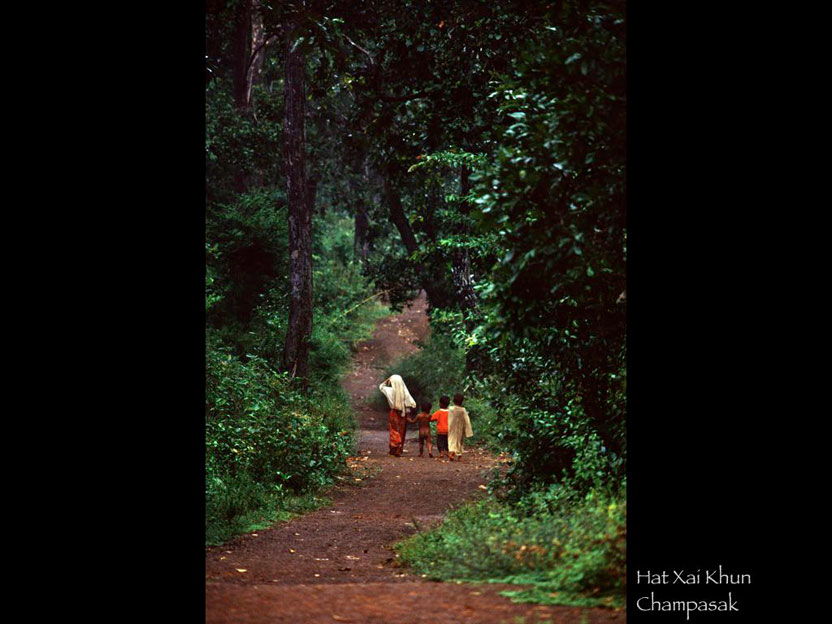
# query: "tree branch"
353,43
254,54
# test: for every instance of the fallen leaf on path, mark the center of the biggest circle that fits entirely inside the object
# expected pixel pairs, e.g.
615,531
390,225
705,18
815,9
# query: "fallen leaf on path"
240,570
353,558
291,550
482,487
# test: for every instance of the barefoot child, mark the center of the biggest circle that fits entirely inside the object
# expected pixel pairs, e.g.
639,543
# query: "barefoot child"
440,416
459,427
423,418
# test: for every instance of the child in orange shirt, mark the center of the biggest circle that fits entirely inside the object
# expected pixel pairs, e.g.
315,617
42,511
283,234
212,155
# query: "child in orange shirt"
440,416
423,418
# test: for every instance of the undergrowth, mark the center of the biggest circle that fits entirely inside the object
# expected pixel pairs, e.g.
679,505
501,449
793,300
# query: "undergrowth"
243,506
568,549
273,446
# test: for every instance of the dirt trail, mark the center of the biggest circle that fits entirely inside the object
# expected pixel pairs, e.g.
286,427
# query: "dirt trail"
337,564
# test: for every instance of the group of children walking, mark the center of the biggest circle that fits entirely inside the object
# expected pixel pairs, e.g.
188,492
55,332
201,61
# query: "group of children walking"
453,424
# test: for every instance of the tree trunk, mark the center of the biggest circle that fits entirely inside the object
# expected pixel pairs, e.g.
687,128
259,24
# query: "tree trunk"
461,271
296,349
361,240
399,219
240,49
362,225
258,47
462,275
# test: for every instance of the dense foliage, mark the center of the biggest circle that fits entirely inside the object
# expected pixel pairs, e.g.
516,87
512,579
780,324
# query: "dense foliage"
476,151
266,443
567,550
542,355
269,440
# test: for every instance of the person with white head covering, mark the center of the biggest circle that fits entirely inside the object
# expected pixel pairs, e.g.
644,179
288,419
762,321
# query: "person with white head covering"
399,399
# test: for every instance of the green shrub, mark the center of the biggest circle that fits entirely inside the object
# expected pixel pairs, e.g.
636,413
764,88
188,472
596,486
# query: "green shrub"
270,443
258,424
570,548
266,440
238,504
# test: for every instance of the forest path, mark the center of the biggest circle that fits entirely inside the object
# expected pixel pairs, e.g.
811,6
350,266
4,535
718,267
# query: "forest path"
337,564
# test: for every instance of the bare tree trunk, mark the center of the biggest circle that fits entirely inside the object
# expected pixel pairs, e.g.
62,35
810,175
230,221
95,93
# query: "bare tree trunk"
296,349
361,242
258,49
462,275
362,225
399,219
240,46
461,271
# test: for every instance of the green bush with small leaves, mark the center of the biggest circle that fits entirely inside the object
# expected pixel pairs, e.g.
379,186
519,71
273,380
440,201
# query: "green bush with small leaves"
271,442
566,547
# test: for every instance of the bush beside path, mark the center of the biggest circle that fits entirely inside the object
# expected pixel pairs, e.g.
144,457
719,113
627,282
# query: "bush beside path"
338,564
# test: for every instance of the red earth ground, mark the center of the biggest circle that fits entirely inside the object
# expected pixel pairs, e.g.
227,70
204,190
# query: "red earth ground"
337,564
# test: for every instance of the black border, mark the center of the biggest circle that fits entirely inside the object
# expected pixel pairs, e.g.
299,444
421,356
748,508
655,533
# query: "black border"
708,368
708,373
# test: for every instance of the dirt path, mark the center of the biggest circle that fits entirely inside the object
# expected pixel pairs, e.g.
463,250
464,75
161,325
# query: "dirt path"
336,564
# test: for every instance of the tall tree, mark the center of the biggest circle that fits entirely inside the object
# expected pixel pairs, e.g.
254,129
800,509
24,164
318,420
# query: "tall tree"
296,349
241,46
461,269
259,41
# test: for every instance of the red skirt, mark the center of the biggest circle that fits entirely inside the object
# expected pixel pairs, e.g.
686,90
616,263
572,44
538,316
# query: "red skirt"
398,430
